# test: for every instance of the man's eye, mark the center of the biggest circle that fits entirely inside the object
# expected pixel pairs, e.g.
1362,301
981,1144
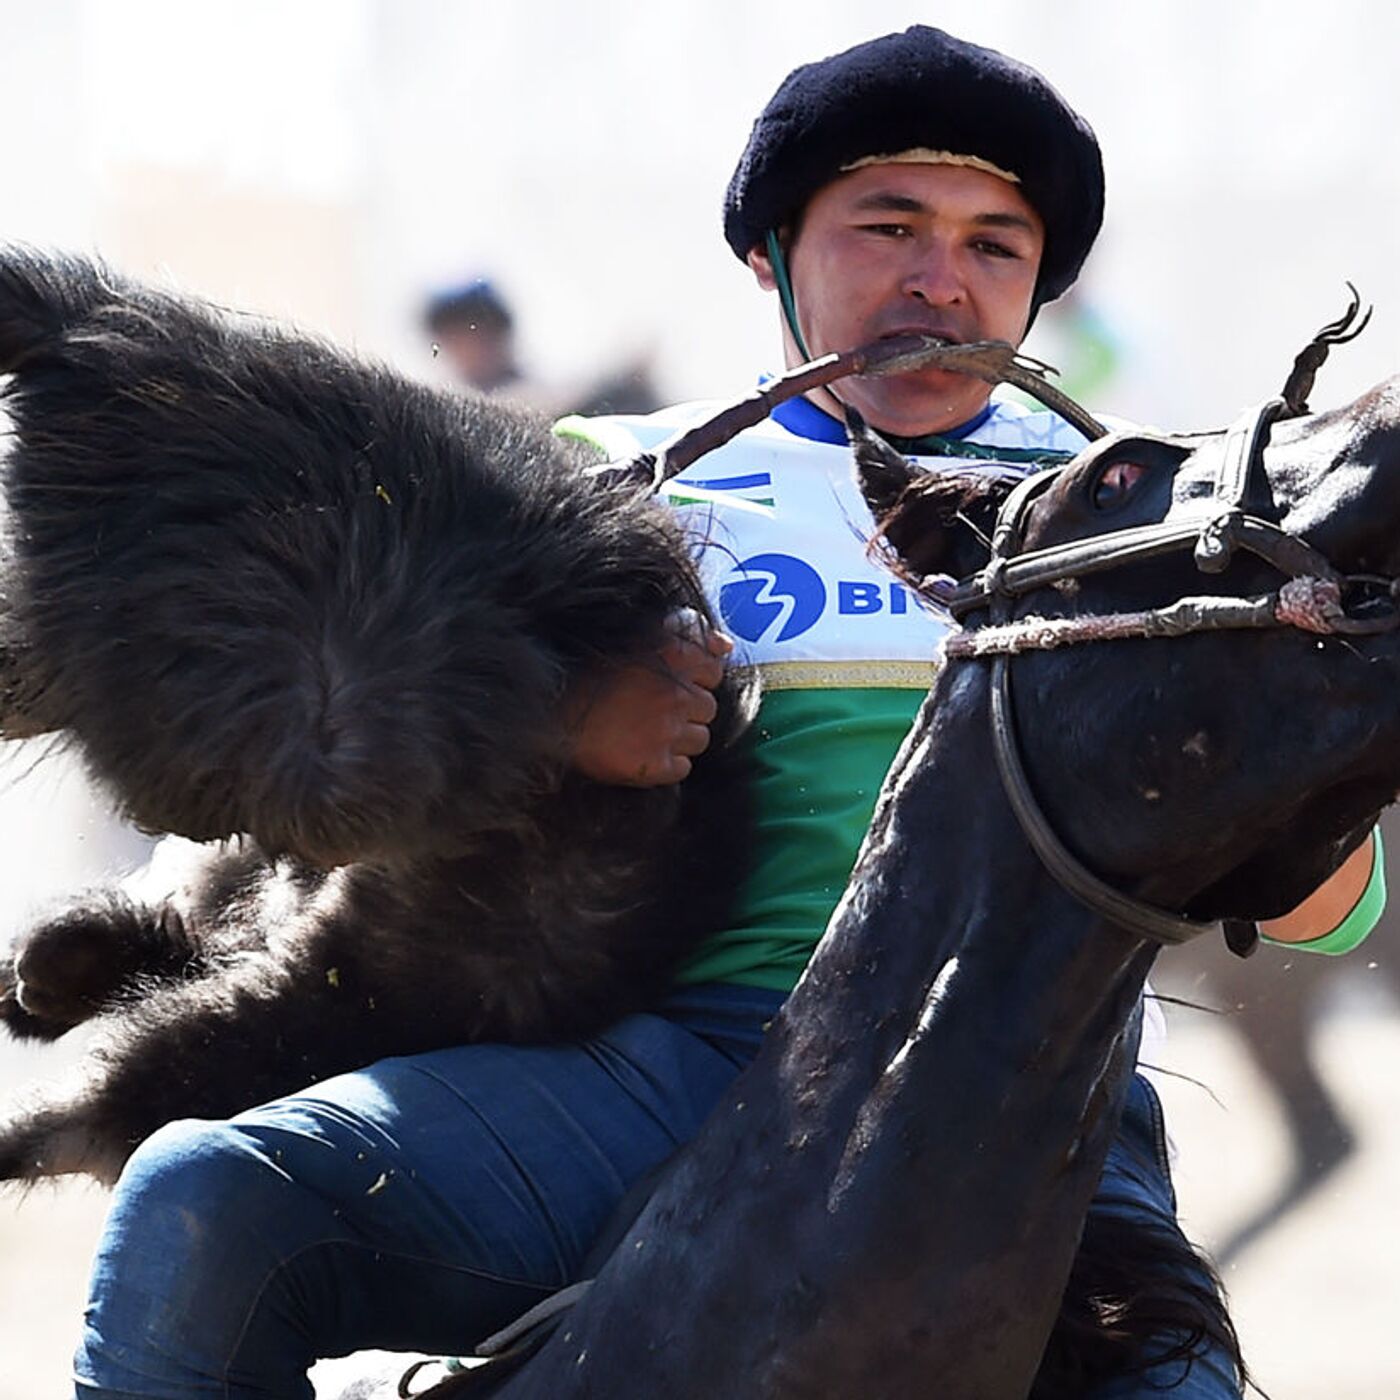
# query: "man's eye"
997,250
888,230
1115,483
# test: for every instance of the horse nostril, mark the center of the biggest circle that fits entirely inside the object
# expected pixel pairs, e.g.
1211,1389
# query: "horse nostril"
1115,483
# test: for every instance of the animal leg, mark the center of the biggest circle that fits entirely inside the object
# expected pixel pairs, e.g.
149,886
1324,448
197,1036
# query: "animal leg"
251,1030
1277,1035
65,970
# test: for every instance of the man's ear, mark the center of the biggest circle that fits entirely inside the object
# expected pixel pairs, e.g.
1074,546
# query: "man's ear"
935,522
762,267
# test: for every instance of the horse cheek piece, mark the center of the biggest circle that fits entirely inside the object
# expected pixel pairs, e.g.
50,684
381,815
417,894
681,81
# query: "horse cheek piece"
364,615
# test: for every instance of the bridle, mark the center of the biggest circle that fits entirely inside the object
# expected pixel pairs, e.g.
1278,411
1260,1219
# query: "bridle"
1315,596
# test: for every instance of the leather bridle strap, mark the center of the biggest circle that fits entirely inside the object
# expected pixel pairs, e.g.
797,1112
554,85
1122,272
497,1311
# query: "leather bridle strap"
1069,872
1010,574
1244,445
1213,538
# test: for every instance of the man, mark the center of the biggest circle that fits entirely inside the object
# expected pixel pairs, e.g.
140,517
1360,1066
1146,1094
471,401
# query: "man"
914,183
473,328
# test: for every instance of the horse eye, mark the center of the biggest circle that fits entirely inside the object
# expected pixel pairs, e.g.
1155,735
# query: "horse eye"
1115,482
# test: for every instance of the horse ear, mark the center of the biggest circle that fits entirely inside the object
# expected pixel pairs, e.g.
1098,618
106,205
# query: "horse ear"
935,522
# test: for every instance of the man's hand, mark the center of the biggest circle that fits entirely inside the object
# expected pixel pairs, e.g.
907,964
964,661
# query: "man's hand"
641,724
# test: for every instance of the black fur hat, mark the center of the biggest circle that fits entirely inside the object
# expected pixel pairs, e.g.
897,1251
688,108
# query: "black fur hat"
922,89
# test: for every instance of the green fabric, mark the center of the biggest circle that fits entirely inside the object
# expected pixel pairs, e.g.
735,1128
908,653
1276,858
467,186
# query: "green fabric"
777,260
615,443
1365,914
822,755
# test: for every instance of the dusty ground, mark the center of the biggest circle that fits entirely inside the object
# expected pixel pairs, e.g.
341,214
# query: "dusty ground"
1315,1300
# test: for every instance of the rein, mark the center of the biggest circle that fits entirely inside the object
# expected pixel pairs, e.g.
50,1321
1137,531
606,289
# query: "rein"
993,361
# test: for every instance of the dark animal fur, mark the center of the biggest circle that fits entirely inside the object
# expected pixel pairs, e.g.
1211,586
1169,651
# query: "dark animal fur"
275,594
268,590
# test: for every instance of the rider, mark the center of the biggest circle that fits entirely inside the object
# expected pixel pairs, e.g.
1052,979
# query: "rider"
914,183
873,204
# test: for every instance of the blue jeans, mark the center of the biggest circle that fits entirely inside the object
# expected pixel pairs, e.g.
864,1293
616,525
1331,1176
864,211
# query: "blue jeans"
1136,1184
421,1203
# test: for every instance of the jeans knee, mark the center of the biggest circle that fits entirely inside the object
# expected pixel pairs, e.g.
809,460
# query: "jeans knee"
200,1225
201,1220
192,1169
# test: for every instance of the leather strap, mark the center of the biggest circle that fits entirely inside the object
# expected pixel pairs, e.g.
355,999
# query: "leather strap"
1132,915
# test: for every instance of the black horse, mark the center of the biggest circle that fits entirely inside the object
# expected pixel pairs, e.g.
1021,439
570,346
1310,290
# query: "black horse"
268,591
890,1199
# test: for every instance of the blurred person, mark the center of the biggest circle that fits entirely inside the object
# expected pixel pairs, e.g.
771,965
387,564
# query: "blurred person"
473,329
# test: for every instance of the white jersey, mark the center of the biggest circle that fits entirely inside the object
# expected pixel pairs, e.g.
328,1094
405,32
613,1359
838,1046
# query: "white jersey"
785,554
787,534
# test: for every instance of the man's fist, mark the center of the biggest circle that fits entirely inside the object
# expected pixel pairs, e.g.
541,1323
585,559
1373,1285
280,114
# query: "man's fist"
641,724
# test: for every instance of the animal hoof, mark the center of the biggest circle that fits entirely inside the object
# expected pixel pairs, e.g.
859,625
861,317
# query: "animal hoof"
60,975
18,1019
53,1010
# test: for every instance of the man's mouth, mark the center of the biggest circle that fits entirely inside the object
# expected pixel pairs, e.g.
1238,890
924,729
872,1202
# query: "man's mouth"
938,332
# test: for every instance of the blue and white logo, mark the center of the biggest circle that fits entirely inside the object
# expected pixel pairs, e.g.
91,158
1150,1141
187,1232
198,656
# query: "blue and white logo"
779,596
772,590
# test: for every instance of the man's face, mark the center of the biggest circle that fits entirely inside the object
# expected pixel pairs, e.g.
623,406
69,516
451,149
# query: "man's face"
888,249
480,356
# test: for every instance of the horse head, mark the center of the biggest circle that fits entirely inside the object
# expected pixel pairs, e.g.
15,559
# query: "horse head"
1201,635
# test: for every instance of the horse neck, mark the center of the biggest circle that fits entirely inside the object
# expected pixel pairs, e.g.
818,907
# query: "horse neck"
948,905
971,1029
895,1188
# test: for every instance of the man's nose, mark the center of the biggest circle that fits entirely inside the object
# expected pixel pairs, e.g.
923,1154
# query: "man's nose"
932,277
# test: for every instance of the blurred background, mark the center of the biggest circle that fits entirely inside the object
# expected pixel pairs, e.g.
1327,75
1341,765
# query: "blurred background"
355,165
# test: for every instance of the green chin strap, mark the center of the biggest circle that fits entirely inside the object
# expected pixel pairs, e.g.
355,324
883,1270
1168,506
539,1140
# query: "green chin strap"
777,260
